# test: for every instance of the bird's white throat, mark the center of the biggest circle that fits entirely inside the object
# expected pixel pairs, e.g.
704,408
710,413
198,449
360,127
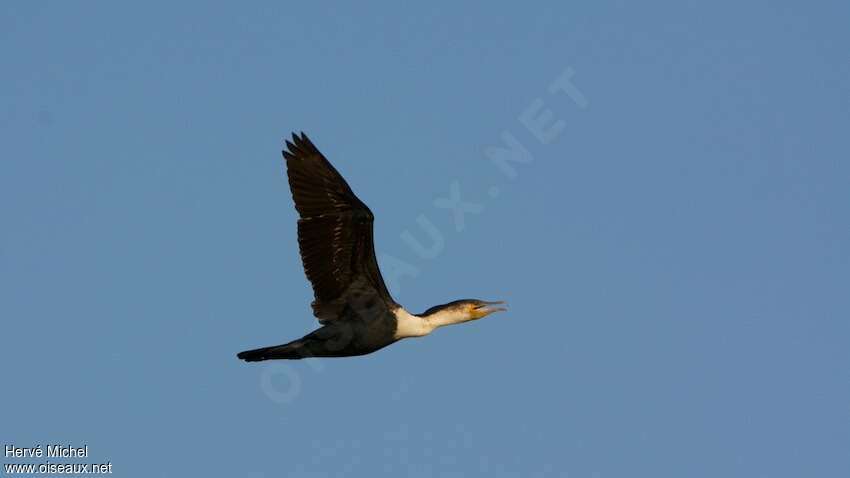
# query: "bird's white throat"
410,325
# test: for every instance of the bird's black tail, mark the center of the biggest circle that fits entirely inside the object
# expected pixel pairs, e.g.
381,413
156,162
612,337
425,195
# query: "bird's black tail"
291,351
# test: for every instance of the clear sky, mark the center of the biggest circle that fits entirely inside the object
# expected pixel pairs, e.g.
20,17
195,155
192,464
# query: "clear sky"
671,228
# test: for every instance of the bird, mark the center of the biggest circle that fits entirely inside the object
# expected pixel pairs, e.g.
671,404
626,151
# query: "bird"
356,313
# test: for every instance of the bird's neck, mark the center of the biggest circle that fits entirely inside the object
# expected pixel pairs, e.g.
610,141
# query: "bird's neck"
411,325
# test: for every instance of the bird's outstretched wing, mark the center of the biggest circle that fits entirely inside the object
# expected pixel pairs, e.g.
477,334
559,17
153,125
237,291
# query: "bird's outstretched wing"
334,233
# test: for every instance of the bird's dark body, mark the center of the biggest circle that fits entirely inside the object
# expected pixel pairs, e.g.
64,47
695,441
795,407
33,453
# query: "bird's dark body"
364,325
344,339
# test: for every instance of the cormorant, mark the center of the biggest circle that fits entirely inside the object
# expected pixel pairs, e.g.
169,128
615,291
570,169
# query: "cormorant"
356,312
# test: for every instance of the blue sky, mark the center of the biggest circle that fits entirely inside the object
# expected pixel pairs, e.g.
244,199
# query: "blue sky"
675,253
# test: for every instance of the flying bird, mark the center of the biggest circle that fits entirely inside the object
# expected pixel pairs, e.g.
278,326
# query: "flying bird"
354,308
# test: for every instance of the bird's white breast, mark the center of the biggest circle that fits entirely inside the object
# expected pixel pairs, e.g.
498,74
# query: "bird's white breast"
409,325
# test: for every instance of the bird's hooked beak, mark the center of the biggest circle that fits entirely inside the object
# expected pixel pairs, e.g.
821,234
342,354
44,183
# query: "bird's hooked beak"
486,308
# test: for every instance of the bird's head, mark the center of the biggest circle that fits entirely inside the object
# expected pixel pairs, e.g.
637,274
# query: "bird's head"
461,311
